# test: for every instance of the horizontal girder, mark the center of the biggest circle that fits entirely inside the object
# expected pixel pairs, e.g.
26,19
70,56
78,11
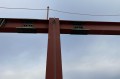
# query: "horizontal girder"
66,27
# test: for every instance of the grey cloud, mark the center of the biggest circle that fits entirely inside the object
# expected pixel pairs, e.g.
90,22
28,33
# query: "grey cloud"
101,60
21,52
88,7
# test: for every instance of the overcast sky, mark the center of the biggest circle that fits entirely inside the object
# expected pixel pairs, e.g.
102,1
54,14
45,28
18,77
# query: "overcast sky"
23,56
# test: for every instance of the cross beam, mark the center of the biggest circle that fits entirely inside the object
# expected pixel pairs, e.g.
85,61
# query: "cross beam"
66,27
54,27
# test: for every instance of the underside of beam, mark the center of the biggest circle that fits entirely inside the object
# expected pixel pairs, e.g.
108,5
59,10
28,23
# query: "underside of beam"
66,27
24,26
86,27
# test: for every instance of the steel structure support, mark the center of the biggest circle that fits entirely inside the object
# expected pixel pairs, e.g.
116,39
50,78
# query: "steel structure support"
66,27
54,63
54,27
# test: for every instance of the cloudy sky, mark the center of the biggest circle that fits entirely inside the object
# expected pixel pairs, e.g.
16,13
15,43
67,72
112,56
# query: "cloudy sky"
23,56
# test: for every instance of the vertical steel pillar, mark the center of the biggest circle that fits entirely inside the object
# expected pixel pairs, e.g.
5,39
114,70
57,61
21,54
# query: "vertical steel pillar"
54,62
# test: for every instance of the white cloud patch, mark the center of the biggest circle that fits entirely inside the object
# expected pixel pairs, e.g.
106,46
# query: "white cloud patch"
24,70
101,60
22,58
30,73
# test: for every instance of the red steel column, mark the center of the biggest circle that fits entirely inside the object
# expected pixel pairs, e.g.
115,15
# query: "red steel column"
54,62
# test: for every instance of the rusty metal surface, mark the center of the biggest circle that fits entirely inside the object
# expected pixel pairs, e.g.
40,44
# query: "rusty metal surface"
54,61
66,27
13,25
87,27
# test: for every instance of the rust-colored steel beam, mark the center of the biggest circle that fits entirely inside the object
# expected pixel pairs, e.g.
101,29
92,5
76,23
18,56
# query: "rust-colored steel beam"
54,63
66,27
89,27
24,25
